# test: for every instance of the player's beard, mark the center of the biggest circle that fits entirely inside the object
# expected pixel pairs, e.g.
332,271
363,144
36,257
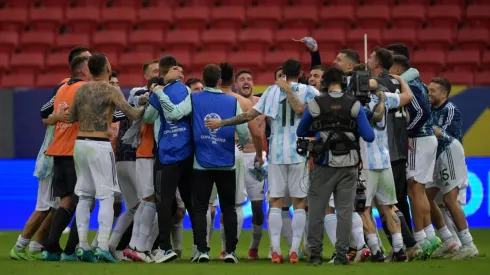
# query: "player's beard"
246,94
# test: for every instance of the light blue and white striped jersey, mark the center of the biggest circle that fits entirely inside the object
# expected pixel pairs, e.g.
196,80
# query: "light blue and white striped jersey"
282,142
376,155
44,164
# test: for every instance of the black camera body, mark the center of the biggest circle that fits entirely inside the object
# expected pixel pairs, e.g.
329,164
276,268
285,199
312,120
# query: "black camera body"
359,86
303,146
155,80
360,199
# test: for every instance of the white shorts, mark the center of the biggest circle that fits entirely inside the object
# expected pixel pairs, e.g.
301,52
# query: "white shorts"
380,184
422,159
144,177
95,165
450,170
287,202
45,197
461,197
255,189
126,174
241,193
291,177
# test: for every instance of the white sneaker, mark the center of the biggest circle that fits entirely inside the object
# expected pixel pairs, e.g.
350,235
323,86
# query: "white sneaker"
231,258
203,257
119,255
144,257
446,249
466,252
162,256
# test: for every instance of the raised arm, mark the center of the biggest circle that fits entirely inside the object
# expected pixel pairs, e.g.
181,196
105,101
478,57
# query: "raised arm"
242,130
123,105
174,111
406,94
380,109
296,104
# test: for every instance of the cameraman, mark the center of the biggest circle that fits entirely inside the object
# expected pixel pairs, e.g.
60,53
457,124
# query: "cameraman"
336,119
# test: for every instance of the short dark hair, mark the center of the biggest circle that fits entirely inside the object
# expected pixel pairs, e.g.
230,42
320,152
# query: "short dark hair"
402,61
399,49
114,74
332,76
359,67
211,75
291,68
192,81
165,63
242,71
226,73
76,52
148,63
444,82
352,55
277,70
384,57
180,65
319,67
97,64
76,63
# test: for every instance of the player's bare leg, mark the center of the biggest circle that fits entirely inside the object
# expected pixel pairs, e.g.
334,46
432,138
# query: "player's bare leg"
30,228
372,238
257,225
421,215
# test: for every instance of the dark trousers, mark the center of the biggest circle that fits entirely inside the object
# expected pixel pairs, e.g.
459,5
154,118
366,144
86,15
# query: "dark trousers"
400,176
202,186
166,180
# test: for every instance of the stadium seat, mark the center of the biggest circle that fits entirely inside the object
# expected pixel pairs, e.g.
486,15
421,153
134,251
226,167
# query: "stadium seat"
459,78
430,60
68,41
473,39
118,18
202,59
373,17
27,62
485,62
13,19
145,40
444,16
245,3
218,40
155,19
113,59
4,62
90,3
127,3
344,2
380,2
478,15
482,78
300,17
327,58
460,3
57,63
181,40
284,39
195,18
408,16
131,62
435,39
404,36
45,19
17,3
8,41
264,78
263,17
415,2
463,61
48,79
255,39
316,3
355,39
184,57
132,80
329,39
18,80
110,41
426,76
83,19
36,42
273,2
207,3
250,60
272,60
228,17
337,17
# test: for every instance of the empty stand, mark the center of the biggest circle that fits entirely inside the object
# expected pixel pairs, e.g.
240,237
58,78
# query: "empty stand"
27,62
13,19
263,17
68,41
444,16
430,60
4,62
57,63
330,39
201,59
145,40
373,17
272,60
132,62
8,41
228,17
432,39
118,18
255,39
182,40
404,36
355,39
46,80
463,61
154,19
82,19
18,80
218,40
463,78
473,39
485,62
36,42
337,17
300,17
110,41
46,19
195,18
482,78
478,15
284,39
253,61
408,16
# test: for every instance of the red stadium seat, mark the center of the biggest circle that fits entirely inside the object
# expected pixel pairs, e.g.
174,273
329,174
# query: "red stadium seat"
4,62
208,3
182,40
46,80
201,59
57,63
444,16
415,2
36,42
46,19
132,80
17,3
131,62
478,15
460,3
227,17
337,17
184,57
118,18
195,18
272,60
404,36
82,20
380,2
272,2
316,3
218,40
145,40
13,19
344,2
127,3
113,59
300,17
463,61
18,80
326,56
435,39
255,39
90,3
155,19
355,39
473,39
263,17
110,41
482,79
430,60
245,3
459,78
330,39
485,62
68,41
284,39
409,16
8,41
27,62
265,78
250,60
426,76
371,17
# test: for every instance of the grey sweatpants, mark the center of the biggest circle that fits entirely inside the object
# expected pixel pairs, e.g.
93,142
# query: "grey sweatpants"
324,181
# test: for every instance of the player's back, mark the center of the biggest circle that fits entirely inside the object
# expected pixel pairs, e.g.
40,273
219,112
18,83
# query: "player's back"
419,109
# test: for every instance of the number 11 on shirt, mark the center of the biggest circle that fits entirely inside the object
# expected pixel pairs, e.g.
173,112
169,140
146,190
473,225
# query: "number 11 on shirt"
284,107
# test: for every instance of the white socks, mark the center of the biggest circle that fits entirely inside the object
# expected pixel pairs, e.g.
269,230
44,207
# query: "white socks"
275,225
298,225
330,222
146,222
448,219
465,237
256,236
445,234
122,225
419,236
106,218
136,226
83,220
430,232
372,242
21,243
177,232
35,247
153,234
397,241
357,232
287,228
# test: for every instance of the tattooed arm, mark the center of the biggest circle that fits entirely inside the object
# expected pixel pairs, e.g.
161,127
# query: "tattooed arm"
380,110
241,118
296,104
74,108
123,105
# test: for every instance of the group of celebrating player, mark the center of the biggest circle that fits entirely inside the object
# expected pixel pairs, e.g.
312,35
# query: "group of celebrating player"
76,165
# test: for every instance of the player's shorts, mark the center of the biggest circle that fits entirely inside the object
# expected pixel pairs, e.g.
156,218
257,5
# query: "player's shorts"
287,202
255,189
178,199
96,168
64,176
45,197
213,199
291,177
144,177
422,159
241,194
380,185
126,175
